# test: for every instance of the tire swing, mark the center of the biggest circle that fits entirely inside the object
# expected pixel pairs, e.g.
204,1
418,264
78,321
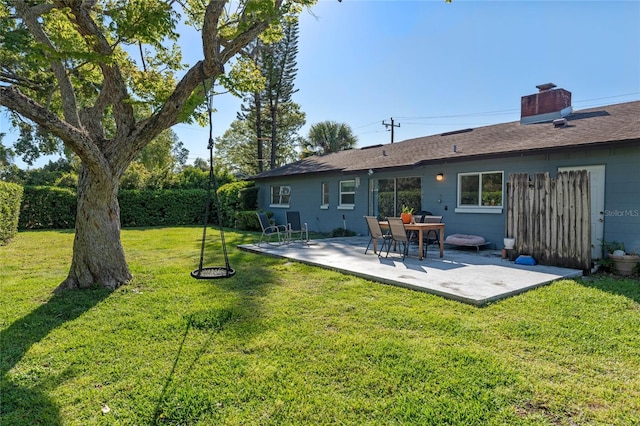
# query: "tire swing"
212,272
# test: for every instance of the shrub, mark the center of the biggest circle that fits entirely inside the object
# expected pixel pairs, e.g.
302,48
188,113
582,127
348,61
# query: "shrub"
47,207
10,200
163,207
229,197
55,208
249,197
341,232
247,220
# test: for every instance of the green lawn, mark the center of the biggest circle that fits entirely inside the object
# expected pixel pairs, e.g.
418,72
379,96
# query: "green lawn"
282,343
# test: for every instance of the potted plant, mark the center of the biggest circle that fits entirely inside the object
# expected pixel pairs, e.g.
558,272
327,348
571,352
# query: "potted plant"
407,214
509,243
623,262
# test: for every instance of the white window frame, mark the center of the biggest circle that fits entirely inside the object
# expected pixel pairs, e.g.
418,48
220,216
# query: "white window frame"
280,197
347,206
324,195
479,208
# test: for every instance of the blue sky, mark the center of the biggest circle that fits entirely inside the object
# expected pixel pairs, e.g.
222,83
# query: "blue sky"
436,67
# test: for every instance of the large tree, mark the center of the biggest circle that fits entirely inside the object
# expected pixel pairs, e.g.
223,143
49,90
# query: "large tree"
67,67
264,109
236,149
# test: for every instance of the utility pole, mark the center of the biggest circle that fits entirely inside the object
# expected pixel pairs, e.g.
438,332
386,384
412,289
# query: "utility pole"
387,125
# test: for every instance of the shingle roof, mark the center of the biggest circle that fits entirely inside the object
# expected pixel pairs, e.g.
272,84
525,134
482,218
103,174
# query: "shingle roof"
596,126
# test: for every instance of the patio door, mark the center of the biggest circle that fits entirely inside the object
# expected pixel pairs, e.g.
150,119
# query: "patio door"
387,196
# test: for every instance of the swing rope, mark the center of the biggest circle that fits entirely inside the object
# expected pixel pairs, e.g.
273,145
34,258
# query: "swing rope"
215,271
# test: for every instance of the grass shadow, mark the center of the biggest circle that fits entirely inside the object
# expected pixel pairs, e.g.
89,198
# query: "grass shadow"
210,320
22,405
610,283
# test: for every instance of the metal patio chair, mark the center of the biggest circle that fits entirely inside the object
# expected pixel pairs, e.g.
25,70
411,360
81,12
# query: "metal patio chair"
432,236
398,235
270,231
296,228
376,233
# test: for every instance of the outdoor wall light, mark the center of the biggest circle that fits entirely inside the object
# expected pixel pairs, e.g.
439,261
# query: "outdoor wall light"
440,177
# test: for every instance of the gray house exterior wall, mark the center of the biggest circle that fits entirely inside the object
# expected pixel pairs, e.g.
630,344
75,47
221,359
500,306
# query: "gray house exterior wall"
622,192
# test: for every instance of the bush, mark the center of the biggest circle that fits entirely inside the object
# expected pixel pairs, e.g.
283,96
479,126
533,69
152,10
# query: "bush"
229,197
247,220
249,197
341,232
48,207
10,200
163,208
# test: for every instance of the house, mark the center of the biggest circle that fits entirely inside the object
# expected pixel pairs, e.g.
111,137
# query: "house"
462,175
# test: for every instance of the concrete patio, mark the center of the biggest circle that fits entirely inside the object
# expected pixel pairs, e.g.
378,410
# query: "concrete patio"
466,276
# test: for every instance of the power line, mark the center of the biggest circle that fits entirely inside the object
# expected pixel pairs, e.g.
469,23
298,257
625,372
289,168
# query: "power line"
505,111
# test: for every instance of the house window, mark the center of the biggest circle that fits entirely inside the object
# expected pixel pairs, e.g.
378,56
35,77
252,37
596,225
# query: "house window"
347,194
482,190
280,195
324,202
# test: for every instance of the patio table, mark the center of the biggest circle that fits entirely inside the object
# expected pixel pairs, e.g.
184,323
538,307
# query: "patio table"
420,227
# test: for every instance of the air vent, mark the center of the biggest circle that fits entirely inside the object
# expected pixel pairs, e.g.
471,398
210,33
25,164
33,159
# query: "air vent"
560,122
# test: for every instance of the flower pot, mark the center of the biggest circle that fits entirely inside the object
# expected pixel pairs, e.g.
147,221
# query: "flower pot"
624,264
406,217
509,243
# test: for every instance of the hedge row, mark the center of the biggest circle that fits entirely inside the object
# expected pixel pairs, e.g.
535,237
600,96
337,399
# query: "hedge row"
47,207
55,208
162,208
10,199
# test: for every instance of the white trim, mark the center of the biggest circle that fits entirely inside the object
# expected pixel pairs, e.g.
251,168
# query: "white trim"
324,207
279,206
492,210
342,193
464,208
284,194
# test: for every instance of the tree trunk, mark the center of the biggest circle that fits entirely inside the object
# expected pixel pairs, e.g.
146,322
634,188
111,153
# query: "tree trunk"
259,132
98,256
274,134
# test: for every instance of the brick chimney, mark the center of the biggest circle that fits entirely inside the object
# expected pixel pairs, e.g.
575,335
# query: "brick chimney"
547,105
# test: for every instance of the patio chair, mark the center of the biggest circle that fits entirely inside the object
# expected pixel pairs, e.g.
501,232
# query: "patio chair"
295,227
413,235
432,236
398,235
376,233
270,231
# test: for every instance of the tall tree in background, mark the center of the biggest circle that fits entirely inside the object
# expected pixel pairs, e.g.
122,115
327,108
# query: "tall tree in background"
66,67
236,148
328,136
157,163
277,64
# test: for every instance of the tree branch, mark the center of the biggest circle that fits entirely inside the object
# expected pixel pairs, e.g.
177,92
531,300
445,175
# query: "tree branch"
30,16
74,137
114,90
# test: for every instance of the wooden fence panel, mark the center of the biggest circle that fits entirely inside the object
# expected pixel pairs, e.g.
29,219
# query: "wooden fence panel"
550,218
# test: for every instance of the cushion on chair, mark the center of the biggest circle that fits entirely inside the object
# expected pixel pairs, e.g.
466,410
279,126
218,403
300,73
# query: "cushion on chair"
465,240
